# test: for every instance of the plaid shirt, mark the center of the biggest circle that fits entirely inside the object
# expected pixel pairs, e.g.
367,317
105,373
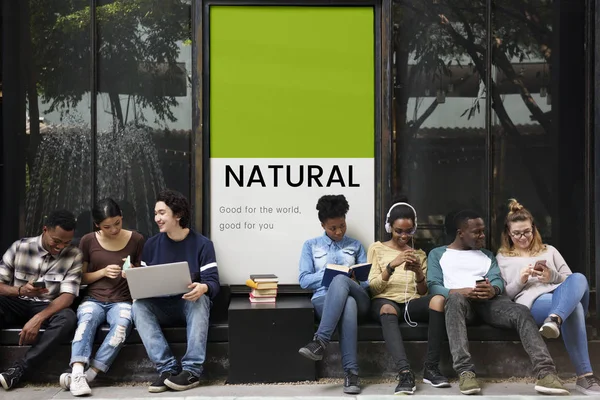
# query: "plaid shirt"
27,260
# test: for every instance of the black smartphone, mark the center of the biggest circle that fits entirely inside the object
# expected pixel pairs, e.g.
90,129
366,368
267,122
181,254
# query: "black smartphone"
39,284
482,280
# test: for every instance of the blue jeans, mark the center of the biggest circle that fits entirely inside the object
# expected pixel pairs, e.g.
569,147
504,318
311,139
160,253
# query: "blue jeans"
570,302
90,315
342,306
150,314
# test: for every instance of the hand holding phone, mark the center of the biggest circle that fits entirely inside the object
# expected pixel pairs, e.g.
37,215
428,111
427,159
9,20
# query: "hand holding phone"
33,289
539,265
483,289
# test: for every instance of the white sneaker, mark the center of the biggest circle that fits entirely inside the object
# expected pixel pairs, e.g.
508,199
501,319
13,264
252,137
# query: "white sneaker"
551,328
79,385
65,380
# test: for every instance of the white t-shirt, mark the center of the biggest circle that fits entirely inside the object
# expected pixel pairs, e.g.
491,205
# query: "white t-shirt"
461,268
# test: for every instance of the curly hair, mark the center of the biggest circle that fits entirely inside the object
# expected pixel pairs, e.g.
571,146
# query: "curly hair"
518,213
63,218
178,203
332,206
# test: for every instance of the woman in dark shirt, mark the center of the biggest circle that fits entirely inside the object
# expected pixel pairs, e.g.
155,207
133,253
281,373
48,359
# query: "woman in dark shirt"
107,300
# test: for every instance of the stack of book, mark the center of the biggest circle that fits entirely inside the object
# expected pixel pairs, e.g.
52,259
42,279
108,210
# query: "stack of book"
264,288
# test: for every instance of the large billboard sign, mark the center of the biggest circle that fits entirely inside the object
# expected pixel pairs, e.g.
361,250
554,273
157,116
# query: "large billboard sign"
291,118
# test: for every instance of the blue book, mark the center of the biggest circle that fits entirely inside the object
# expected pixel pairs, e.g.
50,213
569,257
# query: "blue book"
361,272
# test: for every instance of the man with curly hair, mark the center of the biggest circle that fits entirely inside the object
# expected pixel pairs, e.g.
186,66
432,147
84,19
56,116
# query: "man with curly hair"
176,242
345,300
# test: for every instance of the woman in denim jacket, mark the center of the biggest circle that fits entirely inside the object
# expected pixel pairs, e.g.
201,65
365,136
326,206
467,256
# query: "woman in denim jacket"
345,300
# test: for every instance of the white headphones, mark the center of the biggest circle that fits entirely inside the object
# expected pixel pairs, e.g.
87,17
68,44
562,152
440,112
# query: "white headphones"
388,227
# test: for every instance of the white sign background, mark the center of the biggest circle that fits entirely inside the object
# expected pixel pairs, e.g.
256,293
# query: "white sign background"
246,248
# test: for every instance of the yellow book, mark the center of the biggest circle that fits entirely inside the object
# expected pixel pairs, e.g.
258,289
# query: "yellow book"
261,285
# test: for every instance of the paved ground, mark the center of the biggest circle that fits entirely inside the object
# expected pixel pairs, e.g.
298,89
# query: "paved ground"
314,391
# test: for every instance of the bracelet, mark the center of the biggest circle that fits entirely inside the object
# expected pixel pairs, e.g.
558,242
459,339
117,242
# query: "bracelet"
19,291
389,270
421,281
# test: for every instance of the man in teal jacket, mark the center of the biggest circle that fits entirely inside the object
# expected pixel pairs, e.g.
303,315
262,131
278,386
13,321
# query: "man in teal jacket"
469,278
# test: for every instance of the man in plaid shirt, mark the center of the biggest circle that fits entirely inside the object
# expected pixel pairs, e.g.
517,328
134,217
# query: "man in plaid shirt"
39,279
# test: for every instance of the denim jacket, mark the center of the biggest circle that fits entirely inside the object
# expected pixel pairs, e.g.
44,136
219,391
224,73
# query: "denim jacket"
320,251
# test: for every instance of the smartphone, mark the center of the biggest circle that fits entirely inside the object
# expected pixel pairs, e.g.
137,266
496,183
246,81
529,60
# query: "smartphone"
482,280
416,263
539,265
39,284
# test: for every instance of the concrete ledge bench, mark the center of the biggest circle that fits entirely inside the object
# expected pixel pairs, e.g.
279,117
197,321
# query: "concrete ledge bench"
497,353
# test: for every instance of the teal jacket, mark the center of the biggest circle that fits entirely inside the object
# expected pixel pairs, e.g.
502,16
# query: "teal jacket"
435,275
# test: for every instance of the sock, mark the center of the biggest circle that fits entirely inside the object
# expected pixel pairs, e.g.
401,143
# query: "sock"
90,374
77,369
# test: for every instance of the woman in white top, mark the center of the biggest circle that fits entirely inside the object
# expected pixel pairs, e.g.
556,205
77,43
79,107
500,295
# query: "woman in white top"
538,277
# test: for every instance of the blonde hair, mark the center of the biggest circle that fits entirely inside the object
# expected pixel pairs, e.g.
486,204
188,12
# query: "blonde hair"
518,213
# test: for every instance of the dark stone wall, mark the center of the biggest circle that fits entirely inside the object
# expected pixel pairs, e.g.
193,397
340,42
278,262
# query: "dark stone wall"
492,360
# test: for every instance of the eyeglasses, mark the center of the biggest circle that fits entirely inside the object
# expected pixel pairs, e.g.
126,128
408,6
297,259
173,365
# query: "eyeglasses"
519,235
408,232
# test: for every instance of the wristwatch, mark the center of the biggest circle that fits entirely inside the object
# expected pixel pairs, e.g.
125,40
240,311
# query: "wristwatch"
389,270
497,290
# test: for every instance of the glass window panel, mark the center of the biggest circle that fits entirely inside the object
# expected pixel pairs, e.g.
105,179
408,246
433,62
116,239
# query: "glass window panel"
439,110
144,104
538,124
57,137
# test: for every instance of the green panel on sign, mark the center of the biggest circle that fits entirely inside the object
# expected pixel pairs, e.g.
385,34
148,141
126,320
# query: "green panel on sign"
292,82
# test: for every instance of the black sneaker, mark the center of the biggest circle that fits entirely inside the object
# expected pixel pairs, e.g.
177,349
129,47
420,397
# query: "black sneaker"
351,384
314,350
407,383
183,381
11,377
434,377
158,386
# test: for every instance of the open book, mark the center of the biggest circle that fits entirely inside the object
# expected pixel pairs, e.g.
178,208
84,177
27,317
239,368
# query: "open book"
361,272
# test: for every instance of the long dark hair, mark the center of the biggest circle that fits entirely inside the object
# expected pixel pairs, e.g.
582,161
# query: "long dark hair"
105,208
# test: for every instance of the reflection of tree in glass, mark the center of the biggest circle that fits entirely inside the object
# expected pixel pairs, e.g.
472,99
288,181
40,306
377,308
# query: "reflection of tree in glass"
138,47
430,37
128,169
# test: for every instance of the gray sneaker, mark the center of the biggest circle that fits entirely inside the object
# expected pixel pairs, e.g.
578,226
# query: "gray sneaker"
589,385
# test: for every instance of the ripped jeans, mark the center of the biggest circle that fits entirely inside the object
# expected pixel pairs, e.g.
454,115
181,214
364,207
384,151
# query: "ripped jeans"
90,315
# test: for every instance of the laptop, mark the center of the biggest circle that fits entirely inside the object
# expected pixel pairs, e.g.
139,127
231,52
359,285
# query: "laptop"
159,280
